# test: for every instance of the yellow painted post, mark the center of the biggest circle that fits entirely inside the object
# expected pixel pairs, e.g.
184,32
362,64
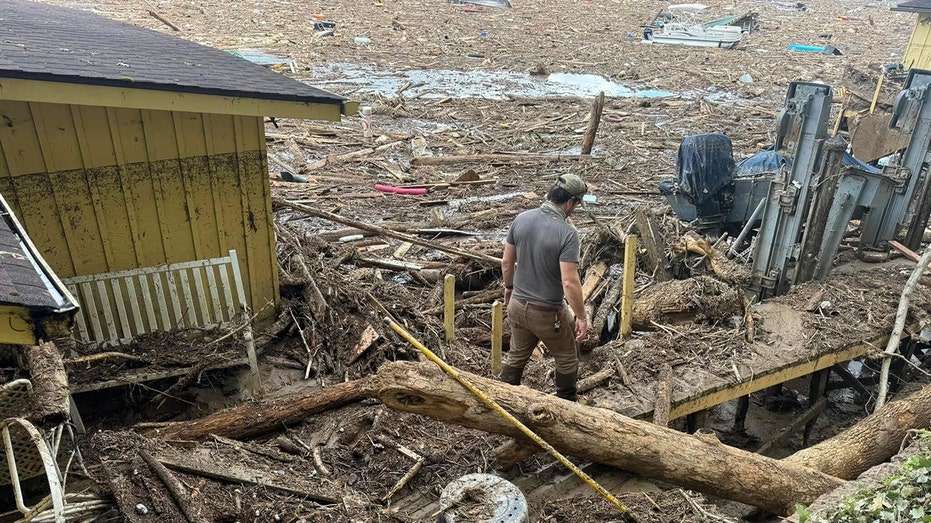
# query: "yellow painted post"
630,271
497,335
879,85
449,306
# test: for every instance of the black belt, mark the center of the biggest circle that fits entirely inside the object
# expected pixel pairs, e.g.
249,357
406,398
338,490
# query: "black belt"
537,306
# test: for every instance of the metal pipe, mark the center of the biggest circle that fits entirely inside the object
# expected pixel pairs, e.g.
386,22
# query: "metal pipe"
746,230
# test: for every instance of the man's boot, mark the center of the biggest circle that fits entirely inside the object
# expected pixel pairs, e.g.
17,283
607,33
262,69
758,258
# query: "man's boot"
511,374
566,387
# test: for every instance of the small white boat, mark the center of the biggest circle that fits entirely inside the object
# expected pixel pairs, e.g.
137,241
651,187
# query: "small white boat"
692,33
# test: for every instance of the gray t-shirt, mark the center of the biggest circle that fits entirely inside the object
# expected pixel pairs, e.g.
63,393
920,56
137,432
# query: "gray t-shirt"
543,239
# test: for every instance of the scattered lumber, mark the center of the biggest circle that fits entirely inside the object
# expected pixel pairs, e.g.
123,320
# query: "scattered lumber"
498,158
483,258
261,417
697,462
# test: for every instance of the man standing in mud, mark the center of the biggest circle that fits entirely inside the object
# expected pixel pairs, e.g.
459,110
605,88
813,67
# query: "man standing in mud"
541,276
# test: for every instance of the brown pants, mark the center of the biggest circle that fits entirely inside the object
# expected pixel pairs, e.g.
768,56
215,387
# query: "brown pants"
531,324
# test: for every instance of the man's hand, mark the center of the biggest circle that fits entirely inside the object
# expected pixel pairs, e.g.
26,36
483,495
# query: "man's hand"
507,296
581,329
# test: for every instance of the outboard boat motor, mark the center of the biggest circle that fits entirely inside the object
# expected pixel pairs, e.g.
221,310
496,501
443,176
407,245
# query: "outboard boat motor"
704,190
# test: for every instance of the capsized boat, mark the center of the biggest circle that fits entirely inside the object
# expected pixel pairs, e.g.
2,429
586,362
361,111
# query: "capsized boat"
691,32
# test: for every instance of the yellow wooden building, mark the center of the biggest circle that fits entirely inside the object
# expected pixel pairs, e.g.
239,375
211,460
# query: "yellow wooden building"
918,53
123,148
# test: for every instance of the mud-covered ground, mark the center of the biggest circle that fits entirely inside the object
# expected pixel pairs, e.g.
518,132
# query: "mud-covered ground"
392,56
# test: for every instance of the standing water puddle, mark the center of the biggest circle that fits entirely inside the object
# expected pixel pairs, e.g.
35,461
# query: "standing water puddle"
495,85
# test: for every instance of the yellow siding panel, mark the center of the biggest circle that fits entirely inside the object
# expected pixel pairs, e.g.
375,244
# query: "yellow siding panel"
78,214
189,133
93,123
127,126
165,170
35,206
18,139
55,129
918,52
263,267
215,127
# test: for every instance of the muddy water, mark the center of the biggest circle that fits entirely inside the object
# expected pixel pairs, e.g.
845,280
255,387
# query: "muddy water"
479,83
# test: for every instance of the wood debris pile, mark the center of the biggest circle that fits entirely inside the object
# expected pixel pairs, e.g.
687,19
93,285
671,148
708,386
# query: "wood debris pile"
478,162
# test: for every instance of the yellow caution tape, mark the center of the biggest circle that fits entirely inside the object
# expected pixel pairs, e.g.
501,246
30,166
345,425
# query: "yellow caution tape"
514,421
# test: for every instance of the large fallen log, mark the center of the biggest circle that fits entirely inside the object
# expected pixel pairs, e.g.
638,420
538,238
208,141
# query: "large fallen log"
697,462
871,441
261,417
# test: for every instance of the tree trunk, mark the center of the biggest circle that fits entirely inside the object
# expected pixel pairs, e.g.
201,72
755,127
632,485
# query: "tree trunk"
50,390
697,462
870,442
701,298
260,417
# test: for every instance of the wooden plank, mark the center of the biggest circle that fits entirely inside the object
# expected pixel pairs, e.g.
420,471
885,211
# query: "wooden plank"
134,304
121,310
235,474
793,427
190,310
161,300
79,317
449,306
139,377
178,316
593,277
202,304
630,272
367,339
111,335
497,336
147,301
89,306
227,292
214,295
237,279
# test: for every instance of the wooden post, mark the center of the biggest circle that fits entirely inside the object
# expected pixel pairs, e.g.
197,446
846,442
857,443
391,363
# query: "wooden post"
879,86
740,417
497,336
816,390
449,306
594,119
630,271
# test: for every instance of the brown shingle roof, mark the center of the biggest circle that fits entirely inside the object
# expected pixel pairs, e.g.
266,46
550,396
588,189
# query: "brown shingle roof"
44,42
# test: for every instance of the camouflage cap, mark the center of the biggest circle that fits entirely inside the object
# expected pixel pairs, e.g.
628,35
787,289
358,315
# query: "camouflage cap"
572,184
